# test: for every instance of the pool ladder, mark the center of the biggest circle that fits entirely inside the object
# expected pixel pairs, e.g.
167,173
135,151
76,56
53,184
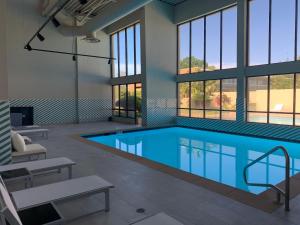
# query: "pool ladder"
279,192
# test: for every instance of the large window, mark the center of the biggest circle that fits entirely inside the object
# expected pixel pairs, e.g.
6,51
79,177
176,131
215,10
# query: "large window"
127,99
126,49
274,99
272,31
208,43
212,99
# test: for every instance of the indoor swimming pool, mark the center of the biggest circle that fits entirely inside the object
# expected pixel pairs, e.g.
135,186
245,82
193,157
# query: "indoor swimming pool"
212,155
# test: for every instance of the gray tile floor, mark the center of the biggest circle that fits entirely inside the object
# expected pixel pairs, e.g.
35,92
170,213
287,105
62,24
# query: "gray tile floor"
138,186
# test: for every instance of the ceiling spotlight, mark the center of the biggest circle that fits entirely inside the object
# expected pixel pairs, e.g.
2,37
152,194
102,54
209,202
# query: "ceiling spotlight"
40,37
109,62
83,2
28,47
55,22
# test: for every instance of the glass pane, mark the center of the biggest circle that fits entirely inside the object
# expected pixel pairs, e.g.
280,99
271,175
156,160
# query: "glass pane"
131,114
138,99
116,112
197,95
229,94
131,97
258,117
184,95
116,97
212,114
283,31
212,94
184,48
282,93
277,118
123,113
258,32
183,112
197,113
297,120
115,68
138,48
213,42
229,38
130,51
123,97
122,53
228,115
197,59
258,93
298,93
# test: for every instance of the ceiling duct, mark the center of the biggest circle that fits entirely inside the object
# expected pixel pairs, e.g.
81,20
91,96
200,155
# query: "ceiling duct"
91,38
91,16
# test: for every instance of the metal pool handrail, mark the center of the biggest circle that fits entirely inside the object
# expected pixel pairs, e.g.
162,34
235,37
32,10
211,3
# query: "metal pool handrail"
286,192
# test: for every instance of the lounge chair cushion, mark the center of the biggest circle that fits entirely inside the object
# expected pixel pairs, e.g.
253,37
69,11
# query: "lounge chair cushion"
18,143
31,150
27,140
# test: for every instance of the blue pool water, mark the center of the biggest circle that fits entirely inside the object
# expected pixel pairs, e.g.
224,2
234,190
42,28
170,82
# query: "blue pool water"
215,156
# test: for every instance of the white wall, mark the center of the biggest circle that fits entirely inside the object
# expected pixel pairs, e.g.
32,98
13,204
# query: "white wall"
46,80
160,64
3,73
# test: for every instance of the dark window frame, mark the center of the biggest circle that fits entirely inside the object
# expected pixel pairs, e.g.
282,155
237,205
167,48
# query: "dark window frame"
269,112
133,26
205,48
204,109
126,110
269,35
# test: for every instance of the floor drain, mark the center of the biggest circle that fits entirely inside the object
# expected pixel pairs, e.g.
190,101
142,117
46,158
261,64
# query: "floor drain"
140,210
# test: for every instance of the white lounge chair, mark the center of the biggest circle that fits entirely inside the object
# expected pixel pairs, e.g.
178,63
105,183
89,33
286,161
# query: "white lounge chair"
46,214
26,151
26,139
30,169
158,219
43,132
49,194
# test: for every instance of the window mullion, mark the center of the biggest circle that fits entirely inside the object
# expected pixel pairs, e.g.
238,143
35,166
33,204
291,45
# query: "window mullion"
268,103
270,31
190,46
221,39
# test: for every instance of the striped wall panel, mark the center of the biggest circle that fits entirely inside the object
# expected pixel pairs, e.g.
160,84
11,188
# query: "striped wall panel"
49,111
5,140
160,111
263,130
92,110
63,111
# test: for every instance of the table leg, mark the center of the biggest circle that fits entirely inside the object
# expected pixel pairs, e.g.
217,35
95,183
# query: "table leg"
107,205
70,172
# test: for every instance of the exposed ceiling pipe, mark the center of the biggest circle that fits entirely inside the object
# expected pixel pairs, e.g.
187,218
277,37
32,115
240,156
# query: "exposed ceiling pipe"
109,15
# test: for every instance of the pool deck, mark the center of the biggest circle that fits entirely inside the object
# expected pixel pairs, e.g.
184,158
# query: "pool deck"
139,186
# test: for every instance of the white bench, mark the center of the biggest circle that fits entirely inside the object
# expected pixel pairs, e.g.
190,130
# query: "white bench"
47,195
43,132
38,167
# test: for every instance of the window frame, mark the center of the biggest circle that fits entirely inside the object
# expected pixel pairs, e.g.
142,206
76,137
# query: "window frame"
204,109
133,26
126,110
269,112
204,17
270,36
